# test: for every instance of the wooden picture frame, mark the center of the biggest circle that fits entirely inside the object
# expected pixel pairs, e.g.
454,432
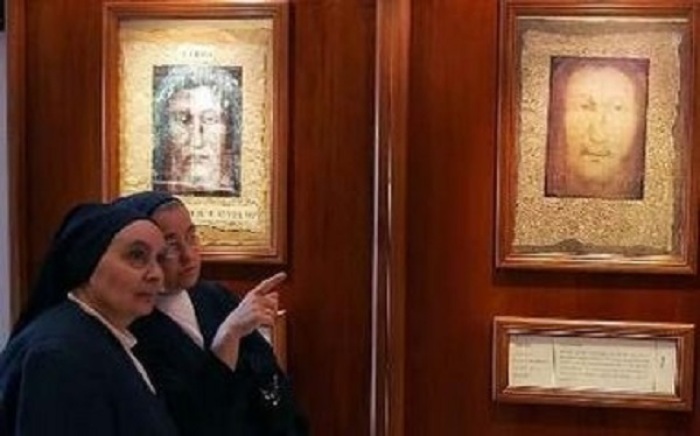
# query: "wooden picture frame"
195,104
593,363
596,168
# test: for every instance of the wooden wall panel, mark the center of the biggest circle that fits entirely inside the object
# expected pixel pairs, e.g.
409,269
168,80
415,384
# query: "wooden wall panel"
328,294
62,114
453,291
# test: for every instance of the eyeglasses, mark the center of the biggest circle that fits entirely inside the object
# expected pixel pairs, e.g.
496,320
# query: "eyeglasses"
176,247
141,256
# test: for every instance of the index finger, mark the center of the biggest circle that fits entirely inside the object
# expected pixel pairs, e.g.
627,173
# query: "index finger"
267,285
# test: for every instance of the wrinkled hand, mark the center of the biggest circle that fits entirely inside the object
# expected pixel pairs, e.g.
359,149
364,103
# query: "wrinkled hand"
258,307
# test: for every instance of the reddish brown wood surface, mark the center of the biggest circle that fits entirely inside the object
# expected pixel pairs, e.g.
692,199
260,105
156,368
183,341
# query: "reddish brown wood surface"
453,289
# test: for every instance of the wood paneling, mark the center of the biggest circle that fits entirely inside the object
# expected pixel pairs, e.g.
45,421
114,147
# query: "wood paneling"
453,290
331,161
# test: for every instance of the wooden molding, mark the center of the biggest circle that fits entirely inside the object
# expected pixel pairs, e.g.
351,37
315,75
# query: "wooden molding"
389,287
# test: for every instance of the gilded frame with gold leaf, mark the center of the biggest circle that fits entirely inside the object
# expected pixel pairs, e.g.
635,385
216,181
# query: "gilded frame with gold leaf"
195,104
595,162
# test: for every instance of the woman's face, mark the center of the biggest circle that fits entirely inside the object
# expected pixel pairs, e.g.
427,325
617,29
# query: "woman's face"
128,277
183,263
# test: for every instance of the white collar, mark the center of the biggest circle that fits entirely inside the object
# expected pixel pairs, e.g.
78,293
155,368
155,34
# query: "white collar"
123,336
170,295
178,307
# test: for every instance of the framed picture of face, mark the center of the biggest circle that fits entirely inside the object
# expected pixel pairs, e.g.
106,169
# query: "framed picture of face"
596,169
195,99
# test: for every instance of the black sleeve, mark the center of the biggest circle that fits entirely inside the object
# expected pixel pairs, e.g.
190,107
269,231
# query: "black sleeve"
269,395
272,397
205,397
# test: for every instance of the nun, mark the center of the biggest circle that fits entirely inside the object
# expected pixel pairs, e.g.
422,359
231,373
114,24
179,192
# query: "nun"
69,368
201,345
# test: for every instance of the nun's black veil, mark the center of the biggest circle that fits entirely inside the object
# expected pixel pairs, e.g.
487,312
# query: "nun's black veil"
81,240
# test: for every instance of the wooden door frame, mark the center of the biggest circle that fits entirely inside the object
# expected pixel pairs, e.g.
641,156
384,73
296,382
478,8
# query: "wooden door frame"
389,262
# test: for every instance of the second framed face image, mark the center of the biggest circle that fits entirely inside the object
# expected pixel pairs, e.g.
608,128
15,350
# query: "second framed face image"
195,104
596,165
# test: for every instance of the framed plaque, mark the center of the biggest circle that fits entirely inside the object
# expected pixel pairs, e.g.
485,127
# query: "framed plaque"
195,104
593,363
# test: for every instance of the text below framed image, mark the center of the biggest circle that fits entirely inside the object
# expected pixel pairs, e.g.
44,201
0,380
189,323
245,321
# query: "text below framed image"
195,104
593,363
596,169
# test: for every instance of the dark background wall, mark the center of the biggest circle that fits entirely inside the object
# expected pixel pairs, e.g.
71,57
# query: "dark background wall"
56,117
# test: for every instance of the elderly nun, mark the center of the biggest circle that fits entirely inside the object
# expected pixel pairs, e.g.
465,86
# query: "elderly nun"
68,368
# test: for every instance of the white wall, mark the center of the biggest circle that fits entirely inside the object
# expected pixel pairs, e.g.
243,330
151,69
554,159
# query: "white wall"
4,207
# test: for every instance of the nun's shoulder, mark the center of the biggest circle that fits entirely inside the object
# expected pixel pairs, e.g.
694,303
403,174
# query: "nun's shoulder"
215,292
55,324
55,337
65,326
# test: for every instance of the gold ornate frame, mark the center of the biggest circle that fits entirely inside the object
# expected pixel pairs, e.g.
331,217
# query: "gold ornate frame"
245,225
654,232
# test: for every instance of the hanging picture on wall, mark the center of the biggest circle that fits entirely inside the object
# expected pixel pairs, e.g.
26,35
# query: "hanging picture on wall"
195,105
595,165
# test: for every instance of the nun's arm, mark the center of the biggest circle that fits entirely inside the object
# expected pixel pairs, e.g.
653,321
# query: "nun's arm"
57,397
